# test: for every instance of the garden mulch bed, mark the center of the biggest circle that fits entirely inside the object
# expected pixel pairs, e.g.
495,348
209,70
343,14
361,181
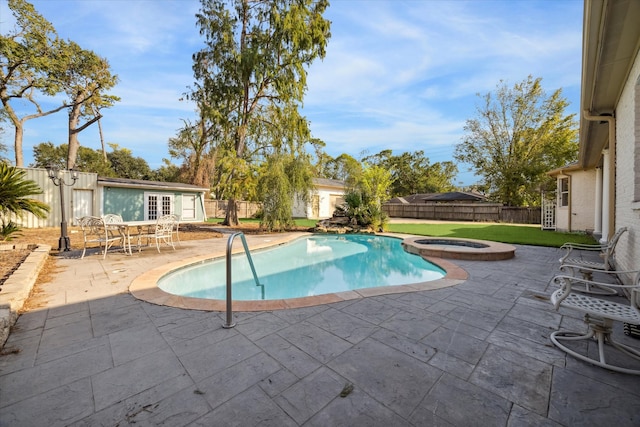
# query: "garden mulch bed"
10,260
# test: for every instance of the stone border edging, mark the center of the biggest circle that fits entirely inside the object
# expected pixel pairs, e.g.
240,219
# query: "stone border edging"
17,287
145,287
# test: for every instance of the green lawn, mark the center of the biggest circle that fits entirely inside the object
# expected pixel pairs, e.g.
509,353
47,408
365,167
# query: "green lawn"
517,234
494,232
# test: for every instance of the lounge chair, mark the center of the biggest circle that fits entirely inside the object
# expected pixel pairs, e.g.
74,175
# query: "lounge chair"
583,266
599,315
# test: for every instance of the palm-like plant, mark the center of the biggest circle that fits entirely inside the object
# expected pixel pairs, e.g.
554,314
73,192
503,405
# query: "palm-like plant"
15,190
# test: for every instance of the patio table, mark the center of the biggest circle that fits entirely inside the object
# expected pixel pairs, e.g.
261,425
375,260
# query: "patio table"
127,226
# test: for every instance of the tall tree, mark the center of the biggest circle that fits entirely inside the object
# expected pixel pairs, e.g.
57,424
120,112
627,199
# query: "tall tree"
120,162
412,173
85,78
46,154
125,165
519,134
196,145
255,58
30,55
320,156
343,168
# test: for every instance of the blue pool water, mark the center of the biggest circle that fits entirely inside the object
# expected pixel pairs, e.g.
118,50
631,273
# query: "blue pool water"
314,265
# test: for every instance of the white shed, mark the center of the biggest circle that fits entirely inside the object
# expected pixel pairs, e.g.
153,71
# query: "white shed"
327,194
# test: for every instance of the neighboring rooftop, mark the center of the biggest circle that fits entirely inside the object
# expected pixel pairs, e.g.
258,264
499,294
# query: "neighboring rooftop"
453,196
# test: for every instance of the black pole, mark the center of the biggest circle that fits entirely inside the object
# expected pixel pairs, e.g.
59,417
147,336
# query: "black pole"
56,176
63,243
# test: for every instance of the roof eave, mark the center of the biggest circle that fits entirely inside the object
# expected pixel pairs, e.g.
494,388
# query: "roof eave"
608,55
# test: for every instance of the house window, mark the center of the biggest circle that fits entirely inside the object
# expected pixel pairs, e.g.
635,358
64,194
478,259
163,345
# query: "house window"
564,192
157,204
188,206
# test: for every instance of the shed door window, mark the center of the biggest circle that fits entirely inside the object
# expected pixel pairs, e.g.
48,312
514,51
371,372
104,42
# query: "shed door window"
188,206
564,192
157,204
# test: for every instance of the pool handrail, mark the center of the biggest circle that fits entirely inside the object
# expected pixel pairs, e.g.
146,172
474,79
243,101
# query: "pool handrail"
230,323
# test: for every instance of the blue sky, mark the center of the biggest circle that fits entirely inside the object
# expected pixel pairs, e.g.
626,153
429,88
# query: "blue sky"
399,74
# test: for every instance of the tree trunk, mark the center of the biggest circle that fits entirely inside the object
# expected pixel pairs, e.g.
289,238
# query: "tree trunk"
104,151
231,216
74,144
17,144
19,130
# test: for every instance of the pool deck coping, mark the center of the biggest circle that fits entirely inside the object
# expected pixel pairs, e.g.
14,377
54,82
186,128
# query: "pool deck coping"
144,287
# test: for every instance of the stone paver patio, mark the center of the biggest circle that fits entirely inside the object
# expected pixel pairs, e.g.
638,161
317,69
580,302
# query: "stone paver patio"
477,353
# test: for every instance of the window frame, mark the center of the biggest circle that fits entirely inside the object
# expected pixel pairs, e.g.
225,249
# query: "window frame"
563,193
161,198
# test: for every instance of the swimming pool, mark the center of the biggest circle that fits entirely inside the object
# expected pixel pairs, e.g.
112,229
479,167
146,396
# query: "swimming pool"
314,265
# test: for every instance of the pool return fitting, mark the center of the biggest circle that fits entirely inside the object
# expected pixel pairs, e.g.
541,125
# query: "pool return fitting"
230,323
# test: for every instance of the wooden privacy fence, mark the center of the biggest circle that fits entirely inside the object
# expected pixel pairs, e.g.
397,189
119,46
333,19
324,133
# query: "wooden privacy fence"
218,208
489,212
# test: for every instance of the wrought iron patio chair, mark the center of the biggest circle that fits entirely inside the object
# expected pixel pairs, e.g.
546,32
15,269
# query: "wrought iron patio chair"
94,230
111,221
162,232
599,315
579,265
175,230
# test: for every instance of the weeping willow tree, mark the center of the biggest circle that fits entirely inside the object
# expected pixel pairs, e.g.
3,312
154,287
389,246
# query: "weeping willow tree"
286,173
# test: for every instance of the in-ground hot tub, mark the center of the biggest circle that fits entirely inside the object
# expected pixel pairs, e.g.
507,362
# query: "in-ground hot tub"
453,248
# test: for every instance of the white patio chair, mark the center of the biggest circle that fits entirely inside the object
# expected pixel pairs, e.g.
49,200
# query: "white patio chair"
176,227
599,315
115,219
162,232
94,230
583,266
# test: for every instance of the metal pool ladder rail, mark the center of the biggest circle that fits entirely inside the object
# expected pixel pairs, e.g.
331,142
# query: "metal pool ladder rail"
230,323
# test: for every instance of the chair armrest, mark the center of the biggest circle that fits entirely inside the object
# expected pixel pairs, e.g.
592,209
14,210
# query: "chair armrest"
576,279
569,247
585,247
595,270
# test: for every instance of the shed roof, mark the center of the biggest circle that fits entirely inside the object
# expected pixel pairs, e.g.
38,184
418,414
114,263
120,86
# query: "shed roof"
144,184
325,182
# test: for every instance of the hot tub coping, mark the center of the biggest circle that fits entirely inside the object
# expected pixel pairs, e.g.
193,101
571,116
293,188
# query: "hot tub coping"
491,251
